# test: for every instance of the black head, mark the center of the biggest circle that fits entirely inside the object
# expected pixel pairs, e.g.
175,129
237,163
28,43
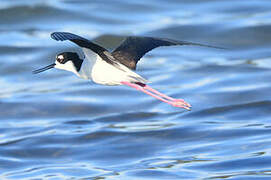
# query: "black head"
64,57
66,61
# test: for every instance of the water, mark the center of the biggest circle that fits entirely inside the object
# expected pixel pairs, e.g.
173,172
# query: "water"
56,126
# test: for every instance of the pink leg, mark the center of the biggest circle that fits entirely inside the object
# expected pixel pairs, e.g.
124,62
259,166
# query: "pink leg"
171,102
165,96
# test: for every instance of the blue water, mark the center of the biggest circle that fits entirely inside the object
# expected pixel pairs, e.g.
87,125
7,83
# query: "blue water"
56,126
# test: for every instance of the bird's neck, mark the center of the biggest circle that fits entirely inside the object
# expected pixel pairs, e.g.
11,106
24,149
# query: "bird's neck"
86,69
78,64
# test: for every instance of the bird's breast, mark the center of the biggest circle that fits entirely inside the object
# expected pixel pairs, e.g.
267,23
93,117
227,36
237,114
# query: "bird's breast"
108,74
86,69
88,63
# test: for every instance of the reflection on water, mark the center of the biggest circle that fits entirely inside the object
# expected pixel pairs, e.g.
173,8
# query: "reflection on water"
56,126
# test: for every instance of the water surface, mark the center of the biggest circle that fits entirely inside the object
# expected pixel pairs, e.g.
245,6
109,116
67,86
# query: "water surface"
56,126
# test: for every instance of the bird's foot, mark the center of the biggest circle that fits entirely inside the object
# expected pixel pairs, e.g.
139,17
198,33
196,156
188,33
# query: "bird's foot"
182,101
181,104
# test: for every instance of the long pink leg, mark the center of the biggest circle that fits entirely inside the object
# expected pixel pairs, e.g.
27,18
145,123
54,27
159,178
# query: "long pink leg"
165,96
140,88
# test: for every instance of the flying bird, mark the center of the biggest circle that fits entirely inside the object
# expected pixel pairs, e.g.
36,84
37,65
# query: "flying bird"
114,68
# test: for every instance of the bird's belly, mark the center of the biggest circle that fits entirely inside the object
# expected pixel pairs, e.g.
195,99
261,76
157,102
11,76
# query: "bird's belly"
107,74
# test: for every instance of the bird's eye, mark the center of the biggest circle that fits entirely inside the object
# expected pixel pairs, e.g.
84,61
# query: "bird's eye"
60,59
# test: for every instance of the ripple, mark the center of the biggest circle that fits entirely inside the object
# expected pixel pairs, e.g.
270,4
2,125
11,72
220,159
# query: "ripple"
57,126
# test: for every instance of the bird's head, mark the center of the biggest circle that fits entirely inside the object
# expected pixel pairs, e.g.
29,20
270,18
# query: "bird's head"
68,61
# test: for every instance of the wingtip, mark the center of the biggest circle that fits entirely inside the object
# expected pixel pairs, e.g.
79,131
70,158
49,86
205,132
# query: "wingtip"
57,36
207,45
53,36
62,36
218,47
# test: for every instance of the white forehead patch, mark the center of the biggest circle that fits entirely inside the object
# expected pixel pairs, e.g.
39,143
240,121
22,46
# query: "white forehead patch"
60,56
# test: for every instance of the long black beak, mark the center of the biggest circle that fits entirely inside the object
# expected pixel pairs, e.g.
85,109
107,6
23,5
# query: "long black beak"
44,68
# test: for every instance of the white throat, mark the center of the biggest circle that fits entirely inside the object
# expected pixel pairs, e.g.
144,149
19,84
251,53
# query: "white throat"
68,66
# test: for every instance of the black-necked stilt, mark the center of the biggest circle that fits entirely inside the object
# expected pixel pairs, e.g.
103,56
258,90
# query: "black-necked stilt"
114,68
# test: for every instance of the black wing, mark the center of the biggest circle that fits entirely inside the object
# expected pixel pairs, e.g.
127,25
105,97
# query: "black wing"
82,42
133,48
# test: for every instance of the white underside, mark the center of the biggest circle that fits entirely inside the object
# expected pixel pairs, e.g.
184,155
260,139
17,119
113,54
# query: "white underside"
101,72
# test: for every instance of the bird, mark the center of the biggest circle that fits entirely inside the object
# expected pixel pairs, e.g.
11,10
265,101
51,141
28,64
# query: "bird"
116,67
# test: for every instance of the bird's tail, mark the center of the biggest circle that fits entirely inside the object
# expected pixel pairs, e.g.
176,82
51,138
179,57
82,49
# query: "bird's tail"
139,79
132,76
